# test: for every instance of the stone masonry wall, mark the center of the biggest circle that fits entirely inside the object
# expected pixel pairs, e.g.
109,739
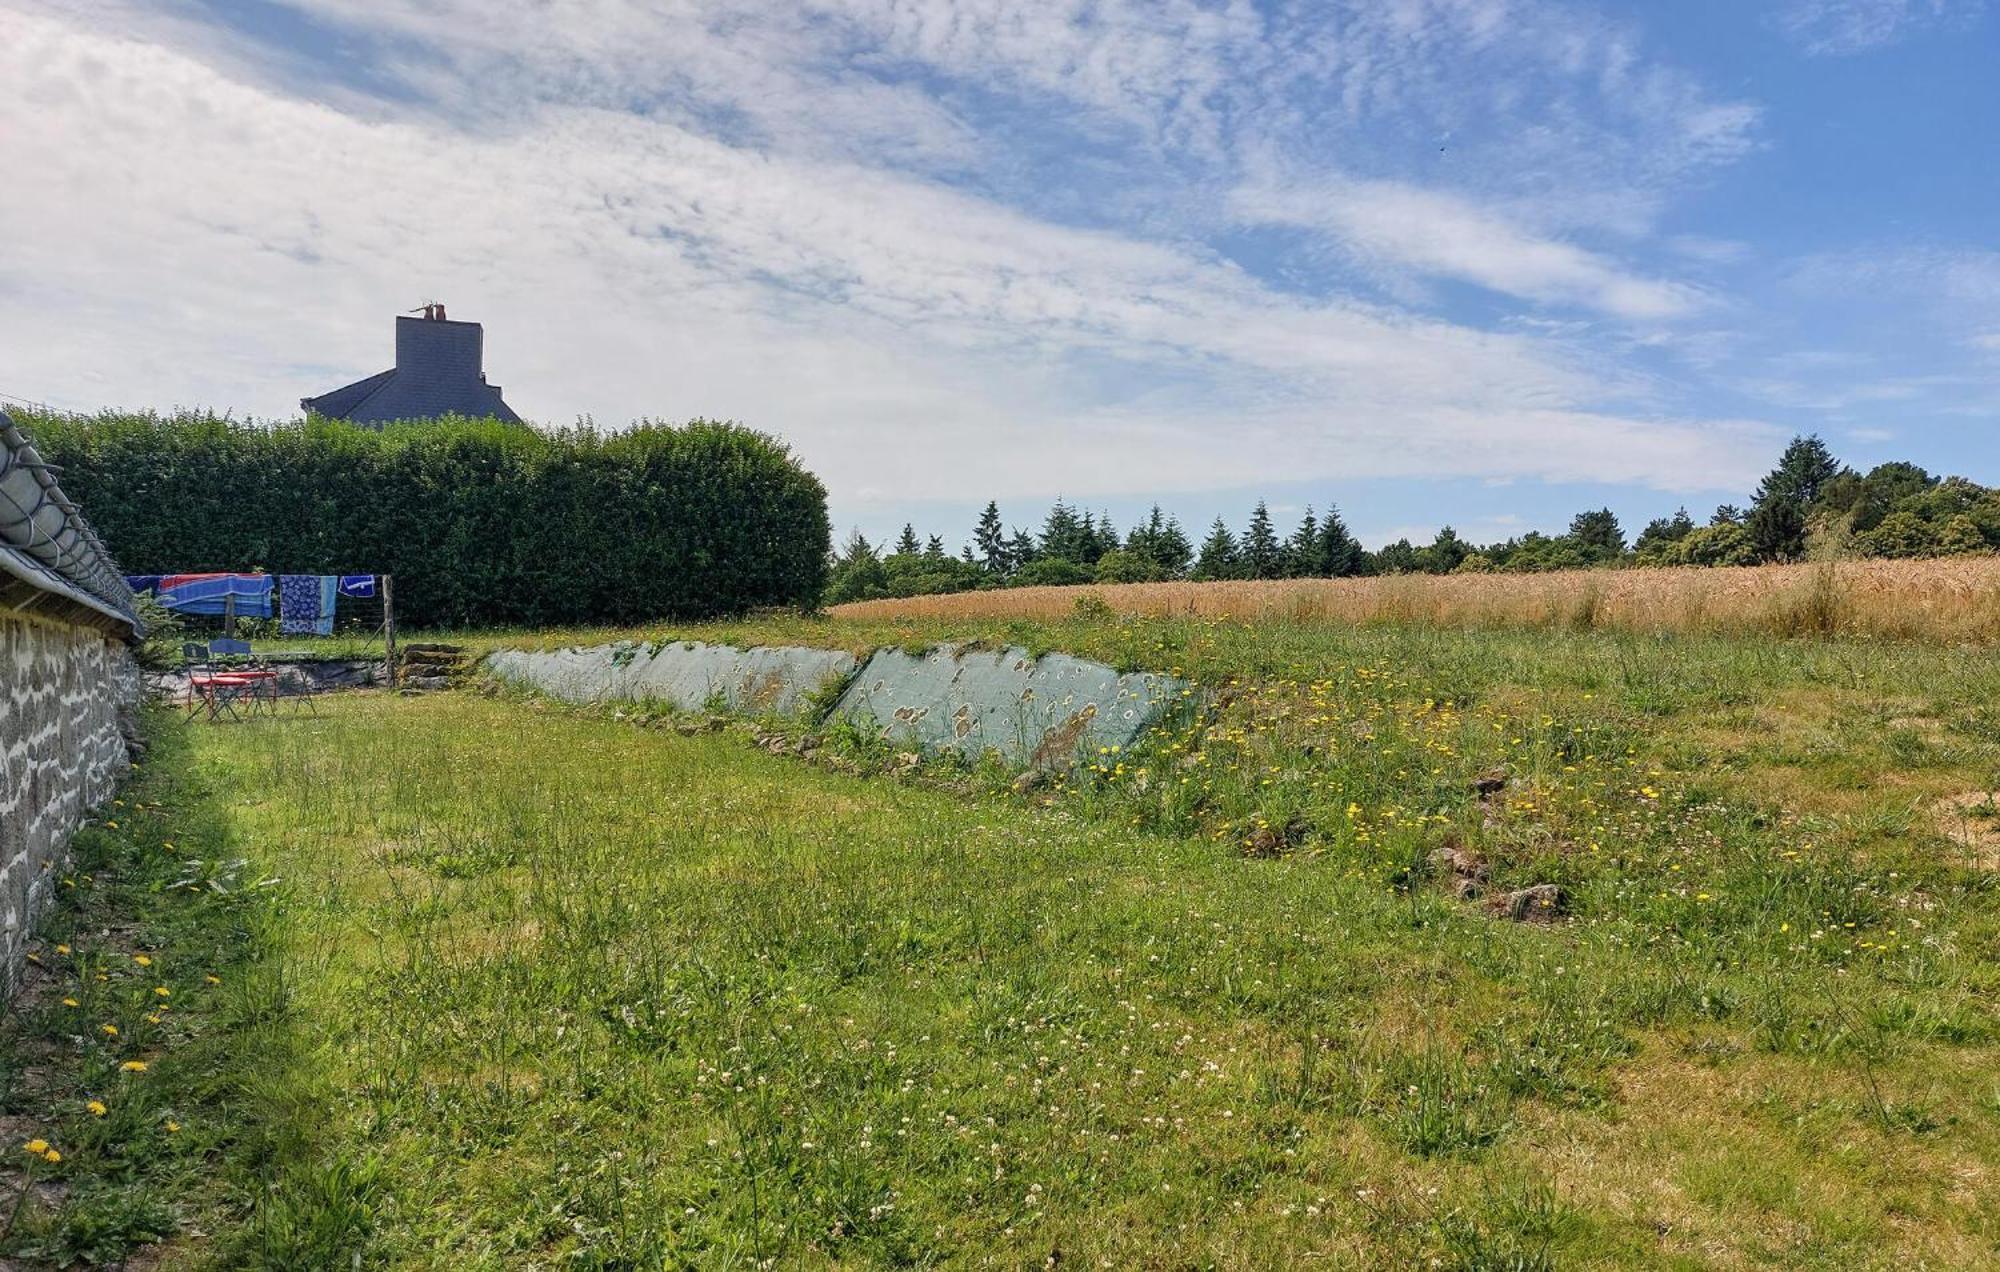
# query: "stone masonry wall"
67,697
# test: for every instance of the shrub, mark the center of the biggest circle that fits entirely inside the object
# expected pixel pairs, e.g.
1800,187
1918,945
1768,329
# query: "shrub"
1121,566
1901,534
481,522
1050,572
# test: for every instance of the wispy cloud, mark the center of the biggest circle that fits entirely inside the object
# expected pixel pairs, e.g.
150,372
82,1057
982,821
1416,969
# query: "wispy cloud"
1837,28
813,218
1444,236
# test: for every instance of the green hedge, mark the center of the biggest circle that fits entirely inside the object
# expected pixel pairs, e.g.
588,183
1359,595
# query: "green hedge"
481,522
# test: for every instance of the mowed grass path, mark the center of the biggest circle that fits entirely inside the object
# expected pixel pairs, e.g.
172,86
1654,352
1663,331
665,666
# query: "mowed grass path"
576,993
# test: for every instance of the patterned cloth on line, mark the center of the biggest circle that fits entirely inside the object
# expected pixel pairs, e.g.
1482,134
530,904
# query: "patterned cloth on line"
248,594
305,604
361,586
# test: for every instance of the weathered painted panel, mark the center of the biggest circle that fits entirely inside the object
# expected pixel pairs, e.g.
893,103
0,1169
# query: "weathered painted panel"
768,680
1045,712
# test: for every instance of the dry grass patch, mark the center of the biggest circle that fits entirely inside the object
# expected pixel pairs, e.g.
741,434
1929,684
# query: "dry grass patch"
1955,599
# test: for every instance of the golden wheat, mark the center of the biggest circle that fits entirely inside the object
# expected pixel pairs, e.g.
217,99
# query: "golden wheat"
1956,599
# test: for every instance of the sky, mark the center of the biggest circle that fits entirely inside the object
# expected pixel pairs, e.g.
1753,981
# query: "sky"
1472,262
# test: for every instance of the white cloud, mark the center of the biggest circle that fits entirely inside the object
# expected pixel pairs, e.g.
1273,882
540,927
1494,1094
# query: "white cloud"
1448,237
1843,27
186,227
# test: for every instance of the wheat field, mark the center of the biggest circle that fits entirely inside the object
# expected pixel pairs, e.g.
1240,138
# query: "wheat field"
1954,600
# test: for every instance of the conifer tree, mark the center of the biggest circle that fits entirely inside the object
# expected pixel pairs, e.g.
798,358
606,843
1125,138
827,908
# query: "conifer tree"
1301,554
1171,550
1062,531
1021,551
1340,554
906,543
1219,557
934,547
1777,520
991,538
1260,545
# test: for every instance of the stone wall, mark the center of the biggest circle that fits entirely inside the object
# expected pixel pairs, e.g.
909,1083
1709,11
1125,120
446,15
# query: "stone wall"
68,698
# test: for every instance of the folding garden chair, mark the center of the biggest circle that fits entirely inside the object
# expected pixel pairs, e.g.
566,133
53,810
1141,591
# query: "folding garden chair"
224,690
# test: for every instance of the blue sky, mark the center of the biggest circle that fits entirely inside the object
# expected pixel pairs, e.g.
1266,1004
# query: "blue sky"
1479,262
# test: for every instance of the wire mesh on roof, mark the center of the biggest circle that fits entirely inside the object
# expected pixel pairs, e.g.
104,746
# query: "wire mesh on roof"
44,538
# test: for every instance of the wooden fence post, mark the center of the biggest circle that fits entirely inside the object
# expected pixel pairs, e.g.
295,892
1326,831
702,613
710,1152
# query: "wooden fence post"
389,627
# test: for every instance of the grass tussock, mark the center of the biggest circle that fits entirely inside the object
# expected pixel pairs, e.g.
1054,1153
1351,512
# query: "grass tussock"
1954,600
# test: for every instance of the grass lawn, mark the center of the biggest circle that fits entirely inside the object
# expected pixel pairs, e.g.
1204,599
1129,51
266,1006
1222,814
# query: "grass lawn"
552,989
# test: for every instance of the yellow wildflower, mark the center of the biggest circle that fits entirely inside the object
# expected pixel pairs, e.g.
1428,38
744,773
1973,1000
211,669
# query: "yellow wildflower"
97,1108
134,1066
142,960
37,1146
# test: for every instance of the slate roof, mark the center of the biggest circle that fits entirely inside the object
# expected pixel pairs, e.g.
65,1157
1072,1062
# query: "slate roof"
439,371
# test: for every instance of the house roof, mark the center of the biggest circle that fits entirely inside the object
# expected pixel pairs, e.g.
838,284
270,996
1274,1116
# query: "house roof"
438,372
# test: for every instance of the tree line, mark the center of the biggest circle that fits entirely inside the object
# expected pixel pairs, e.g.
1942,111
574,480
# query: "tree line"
1810,504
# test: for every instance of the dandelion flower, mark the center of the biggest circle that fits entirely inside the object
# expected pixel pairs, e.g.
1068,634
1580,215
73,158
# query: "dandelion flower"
110,1031
62,949
37,1146
142,960
52,1157
213,980
163,991
71,1002
173,1127
97,1108
134,1066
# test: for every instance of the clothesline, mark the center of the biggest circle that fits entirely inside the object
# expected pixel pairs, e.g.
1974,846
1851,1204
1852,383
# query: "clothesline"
305,602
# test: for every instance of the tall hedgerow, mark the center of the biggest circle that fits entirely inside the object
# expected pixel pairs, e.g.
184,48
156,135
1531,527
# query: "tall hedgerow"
481,522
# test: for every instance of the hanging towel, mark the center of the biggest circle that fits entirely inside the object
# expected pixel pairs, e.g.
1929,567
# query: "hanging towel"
210,593
305,604
361,586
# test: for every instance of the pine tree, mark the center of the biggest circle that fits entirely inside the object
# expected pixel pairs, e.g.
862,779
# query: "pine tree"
1446,552
906,544
1021,551
1171,550
1107,536
1661,531
1301,555
1260,545
1087,547
1144,541
1061,534
1340,554
1777,520
1219,557
991,538
934,547
1598,534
